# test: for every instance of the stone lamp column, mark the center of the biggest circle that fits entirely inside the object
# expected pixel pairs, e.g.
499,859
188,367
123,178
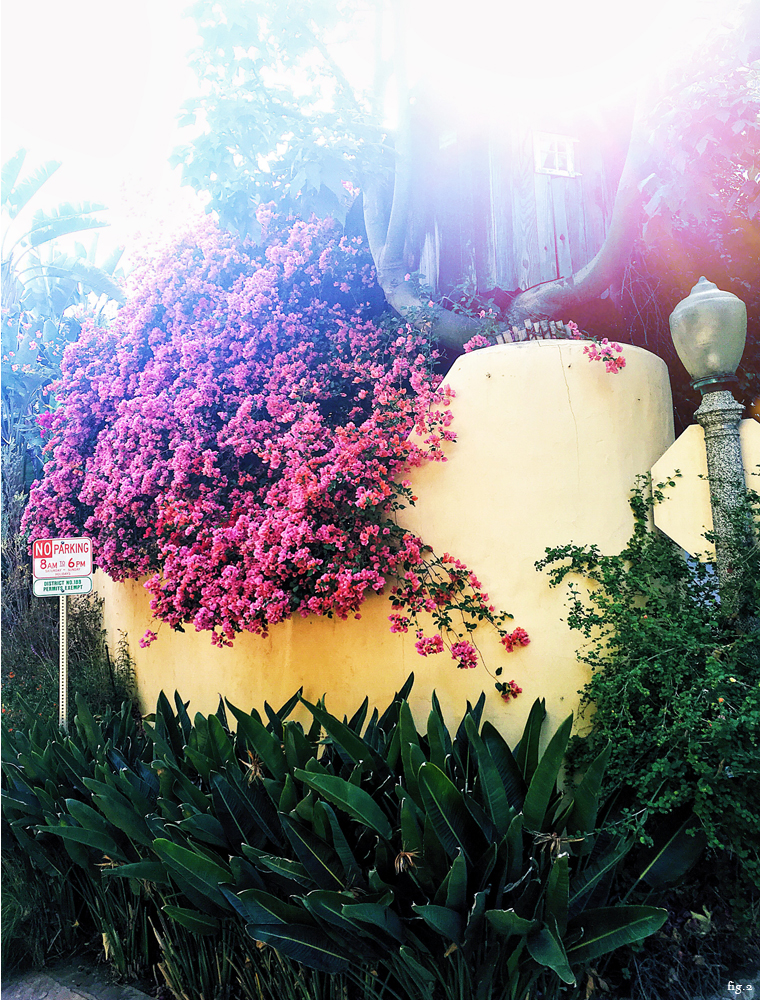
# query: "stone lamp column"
709,330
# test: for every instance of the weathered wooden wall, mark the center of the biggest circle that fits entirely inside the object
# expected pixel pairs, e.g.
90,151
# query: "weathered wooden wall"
495,222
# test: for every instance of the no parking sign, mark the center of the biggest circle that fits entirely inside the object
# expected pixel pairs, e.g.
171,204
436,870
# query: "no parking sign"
62,566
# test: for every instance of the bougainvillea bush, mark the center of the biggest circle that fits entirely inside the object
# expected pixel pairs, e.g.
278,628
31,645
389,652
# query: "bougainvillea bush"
240,434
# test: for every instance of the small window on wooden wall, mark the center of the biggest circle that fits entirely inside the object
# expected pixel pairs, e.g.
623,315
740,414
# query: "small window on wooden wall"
554,154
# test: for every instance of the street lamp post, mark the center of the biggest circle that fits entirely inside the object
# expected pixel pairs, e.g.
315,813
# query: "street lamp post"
709,330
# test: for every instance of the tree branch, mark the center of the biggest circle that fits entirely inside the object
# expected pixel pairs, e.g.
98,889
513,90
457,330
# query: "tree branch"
340,76
393,252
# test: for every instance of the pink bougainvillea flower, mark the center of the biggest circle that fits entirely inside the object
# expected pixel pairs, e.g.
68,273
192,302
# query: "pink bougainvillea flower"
511,641
241,435
605,351
509,690
428,645
237,433
465,654
476,342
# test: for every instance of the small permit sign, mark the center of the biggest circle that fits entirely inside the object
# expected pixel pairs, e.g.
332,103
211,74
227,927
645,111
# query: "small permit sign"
62,588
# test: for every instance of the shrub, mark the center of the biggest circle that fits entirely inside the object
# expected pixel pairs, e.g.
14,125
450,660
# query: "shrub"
30,637
38,911
405,864
675,685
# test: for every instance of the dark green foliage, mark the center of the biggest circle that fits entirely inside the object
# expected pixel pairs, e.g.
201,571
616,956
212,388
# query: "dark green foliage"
30,632
358,851
41,905
676,693
38,911
30,657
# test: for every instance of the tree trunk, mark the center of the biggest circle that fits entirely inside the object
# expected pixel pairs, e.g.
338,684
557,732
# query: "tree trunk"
558,299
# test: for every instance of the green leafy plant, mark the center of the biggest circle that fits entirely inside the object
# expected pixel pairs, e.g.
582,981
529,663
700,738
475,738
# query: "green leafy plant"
407,864
46,289
30,648
39,912
675,687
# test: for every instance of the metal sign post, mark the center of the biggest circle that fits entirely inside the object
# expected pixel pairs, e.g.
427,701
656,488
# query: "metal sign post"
63,663
62,566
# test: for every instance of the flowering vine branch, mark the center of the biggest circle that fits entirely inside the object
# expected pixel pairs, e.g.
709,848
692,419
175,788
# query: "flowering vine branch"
446,589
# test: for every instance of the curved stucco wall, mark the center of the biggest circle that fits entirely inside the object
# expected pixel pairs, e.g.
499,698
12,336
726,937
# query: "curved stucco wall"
548,447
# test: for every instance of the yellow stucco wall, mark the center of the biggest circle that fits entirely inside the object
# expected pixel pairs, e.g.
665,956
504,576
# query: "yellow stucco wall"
685,513
548,448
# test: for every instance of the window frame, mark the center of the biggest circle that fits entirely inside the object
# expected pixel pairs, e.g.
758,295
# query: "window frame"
563,145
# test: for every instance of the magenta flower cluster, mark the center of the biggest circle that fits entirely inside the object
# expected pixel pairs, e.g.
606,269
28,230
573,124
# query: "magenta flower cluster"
606,351
240,431
465,654
513,640
508,689
428,645
476,342
600,350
